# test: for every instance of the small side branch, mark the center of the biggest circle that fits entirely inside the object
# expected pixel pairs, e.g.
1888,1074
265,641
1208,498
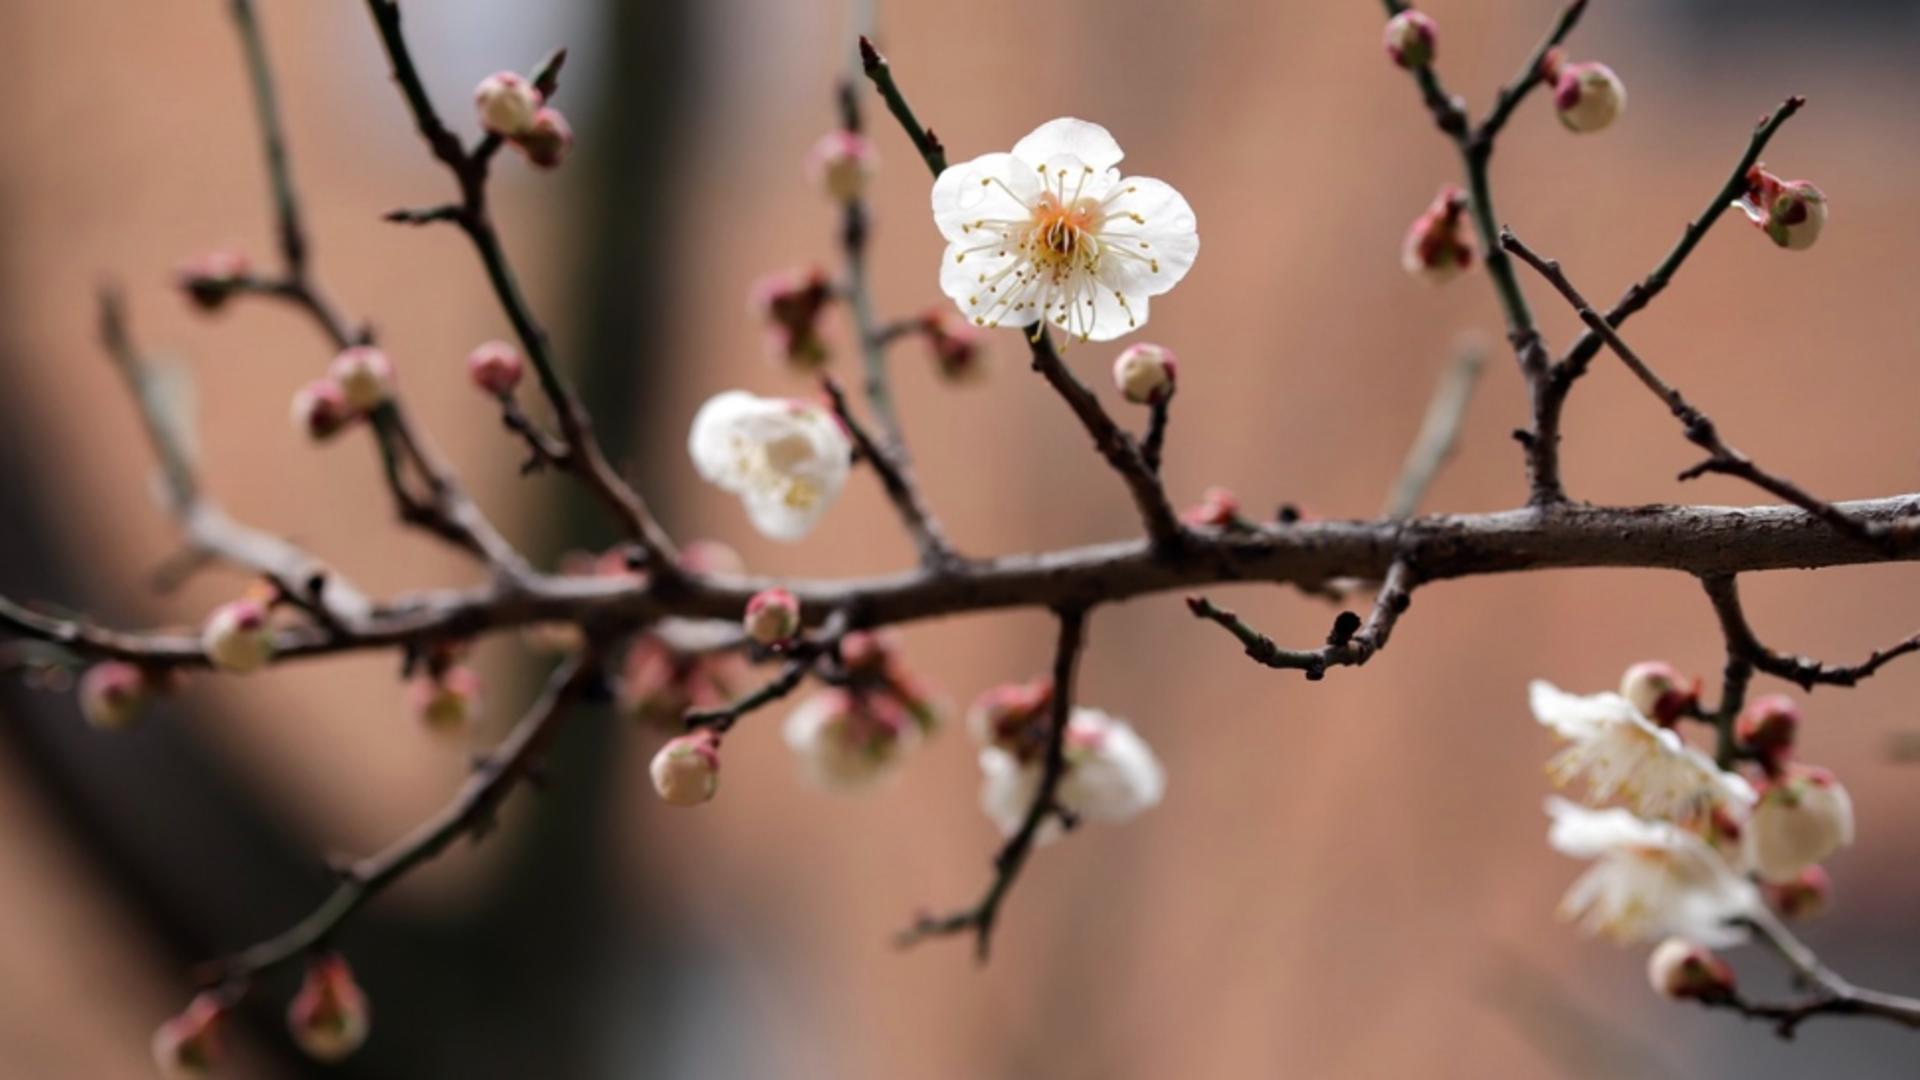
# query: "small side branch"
803,656
1830,994
1803,671
928,538
924,140
1351,642
1439,432
1012,857
1529,76
470,813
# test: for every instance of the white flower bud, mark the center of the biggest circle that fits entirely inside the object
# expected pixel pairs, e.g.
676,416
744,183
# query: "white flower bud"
112,694
1410,39
1589,96
773,616
686,771
236,637
1658,691
848,743
506,102
842,163
1680,969
1803,817
1797,216
329,1016
364,376
187,1047
1144,374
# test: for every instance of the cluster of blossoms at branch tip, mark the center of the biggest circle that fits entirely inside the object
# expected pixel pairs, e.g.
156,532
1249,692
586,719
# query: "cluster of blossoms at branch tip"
359,380
1587,95
1411,38
1051,233
1110,773
1438,245
851,736
1681,857
786,459
1790,212
514,109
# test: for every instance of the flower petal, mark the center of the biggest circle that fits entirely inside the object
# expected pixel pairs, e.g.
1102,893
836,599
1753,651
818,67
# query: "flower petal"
990,188
1153,234
1083,140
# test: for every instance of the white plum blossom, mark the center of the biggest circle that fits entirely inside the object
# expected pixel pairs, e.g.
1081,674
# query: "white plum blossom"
1051,231
1621,753
1649,879
1111,775
787,460
1804,816
846,742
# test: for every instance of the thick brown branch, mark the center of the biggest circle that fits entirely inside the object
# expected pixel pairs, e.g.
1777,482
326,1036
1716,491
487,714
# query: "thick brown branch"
1012,857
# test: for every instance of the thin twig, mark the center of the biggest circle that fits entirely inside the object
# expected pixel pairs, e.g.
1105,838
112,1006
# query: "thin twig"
1439,431
924,140
1351,643
1803,671
1831,994
1160,414
802,656
1012,857
921,525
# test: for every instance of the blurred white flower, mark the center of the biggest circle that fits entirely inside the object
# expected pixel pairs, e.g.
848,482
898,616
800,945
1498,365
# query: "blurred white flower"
846,742
1621,753
1803,817
1649,879
787,460
1052,231
1111,775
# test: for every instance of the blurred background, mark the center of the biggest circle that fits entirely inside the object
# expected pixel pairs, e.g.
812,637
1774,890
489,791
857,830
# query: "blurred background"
1347,879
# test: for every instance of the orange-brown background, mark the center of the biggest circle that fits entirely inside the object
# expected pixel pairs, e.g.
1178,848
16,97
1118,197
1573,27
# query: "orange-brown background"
1348,878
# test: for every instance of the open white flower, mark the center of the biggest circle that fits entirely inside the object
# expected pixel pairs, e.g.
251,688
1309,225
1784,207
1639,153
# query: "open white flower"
787,460
1649,879
845,742
1621,753
1112,775
1052,231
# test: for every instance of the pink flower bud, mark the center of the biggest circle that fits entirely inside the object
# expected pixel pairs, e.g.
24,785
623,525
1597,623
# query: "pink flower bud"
187,1046
209,279
791,303
1660,692
1790,212
686,771
507,103
1805,897
547,140
496,367
1144,374
447,702
1679,969
1588,96
1410,39
1438,246
842,163
773,617
320,410
112,693
959,351
1218,507
1767,727
364,376
329,1015
236,637
1803,816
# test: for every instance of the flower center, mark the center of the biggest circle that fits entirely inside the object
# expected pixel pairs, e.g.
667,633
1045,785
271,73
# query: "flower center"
1062,233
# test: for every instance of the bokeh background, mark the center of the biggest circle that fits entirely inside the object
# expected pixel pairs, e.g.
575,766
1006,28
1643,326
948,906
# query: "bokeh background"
1348,878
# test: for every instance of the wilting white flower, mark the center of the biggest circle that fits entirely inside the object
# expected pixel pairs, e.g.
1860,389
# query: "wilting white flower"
787,460
1112,775
1052,231
1803,817
847,742
1621,753
1649,879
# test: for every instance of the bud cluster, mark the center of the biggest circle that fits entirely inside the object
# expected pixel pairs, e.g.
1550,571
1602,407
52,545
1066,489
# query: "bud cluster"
791,303
359,380
514,109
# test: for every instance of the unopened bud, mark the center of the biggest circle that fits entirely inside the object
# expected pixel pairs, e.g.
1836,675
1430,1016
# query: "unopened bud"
773,616
1790,212
1218,507
1803,816
1013,717
1588,96
236,637
507,103
547,140
1659,692
329,1015
496,367
1438,247
1410,39
364,376
187,1046
446,702
791,303
320,410
842,163
1805,897
1767,727
112,693
686,771
1680,969
1144,374
210,279
959,351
